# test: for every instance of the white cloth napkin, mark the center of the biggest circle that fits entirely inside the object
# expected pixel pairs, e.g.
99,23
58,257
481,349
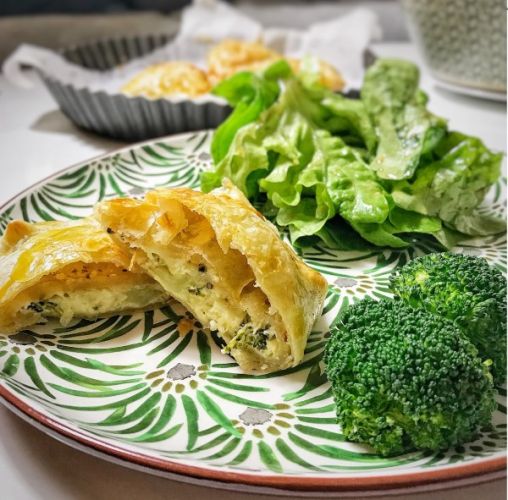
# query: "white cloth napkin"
340,41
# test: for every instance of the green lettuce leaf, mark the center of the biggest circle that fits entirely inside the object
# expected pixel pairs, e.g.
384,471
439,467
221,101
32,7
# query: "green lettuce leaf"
296,184
406,129
356,121
337,234
381,235
453,185
243,164
315,175
250,94
405,221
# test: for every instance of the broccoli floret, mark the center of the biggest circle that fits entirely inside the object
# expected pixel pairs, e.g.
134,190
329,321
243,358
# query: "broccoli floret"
466,290
249,338
404,379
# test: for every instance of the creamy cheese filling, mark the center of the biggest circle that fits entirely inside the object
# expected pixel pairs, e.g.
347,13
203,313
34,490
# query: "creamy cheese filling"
82,290
220,290
94,302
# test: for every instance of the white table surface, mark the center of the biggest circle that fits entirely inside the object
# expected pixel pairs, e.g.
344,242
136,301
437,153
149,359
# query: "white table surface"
37,140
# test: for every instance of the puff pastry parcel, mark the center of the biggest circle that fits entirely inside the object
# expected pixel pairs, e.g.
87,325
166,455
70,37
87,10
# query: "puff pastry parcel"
227,264
67,270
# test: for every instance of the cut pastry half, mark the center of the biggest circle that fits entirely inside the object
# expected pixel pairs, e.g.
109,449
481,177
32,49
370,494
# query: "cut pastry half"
67,270
227,265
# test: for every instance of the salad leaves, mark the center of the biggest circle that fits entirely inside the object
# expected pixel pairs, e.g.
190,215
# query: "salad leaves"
406,129
453,185
249,94
351,172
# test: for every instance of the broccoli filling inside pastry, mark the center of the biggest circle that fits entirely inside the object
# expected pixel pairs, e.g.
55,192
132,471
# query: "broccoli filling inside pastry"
86,291
217,287
250,337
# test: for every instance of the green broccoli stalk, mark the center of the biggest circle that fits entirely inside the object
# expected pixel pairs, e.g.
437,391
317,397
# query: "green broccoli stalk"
248,337
404,379
466,290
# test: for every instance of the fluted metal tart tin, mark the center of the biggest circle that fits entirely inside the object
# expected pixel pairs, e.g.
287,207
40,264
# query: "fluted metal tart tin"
120,116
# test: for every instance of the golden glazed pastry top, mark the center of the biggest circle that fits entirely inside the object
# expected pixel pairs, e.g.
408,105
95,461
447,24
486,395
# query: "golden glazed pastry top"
169,78
51,269
230,56
28,251
224,60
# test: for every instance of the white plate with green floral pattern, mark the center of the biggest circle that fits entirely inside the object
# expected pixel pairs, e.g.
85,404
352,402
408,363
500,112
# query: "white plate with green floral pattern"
132,389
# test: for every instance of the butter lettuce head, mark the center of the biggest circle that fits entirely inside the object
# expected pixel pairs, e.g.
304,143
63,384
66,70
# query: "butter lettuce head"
351,173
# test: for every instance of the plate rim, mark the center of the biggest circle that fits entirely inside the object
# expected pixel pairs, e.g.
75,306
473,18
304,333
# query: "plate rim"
464,90
303,483
154,465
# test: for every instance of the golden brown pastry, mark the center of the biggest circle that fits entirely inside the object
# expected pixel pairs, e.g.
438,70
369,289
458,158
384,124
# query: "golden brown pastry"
165,79
225,263
67,270
230,56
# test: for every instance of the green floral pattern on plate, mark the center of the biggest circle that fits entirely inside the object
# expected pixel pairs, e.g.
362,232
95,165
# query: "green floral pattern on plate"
135,382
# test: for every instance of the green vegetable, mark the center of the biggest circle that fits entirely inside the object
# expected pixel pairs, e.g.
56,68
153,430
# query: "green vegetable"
467,291
404,379
249,338
45,307
250,94
356,119
307,174
243,163
406,129
453,185
313,161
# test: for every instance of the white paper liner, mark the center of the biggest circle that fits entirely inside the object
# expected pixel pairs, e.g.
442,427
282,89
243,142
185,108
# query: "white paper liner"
341,42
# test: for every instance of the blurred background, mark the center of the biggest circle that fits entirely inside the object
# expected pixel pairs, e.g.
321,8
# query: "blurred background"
54,23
